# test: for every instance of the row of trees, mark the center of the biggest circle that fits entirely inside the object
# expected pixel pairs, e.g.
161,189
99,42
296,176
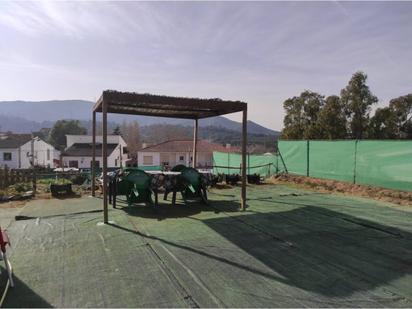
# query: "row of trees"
312,116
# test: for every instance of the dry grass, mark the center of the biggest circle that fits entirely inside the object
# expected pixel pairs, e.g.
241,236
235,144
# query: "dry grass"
324,185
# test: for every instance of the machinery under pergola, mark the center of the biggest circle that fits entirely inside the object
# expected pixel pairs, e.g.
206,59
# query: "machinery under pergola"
162,106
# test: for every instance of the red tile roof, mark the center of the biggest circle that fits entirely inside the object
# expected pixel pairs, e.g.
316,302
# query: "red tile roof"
187,146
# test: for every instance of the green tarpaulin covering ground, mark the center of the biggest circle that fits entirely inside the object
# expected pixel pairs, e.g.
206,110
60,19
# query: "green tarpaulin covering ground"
291,248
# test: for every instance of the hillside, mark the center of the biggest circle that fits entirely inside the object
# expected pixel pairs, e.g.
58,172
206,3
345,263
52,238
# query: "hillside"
26,116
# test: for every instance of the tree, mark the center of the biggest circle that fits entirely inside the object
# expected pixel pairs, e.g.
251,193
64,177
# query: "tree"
58,133
402,109
383,124
116,130
131,134
293,120
358,99
312,105
332,120
301,115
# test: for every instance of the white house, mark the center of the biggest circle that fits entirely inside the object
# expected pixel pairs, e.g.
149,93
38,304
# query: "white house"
176,152
78,152
16,151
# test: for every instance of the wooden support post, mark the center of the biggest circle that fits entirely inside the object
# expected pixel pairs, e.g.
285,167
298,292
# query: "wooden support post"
248,163
104,158
195,128
354,160
120,155
307,158
244,142
94,154
32,165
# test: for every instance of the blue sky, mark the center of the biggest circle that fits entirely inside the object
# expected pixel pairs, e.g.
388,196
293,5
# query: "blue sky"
258,52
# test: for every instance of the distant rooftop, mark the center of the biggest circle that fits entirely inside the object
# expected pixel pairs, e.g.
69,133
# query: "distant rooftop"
85,150
187,146
10,140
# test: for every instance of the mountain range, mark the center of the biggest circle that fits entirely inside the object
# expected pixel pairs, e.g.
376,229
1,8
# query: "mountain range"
27,116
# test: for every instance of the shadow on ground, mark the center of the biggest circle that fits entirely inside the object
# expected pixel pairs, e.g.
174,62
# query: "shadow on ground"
179,210
20,295
323,251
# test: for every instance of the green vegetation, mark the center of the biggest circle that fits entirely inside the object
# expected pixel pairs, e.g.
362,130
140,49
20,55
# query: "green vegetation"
311,116
58,133
59,181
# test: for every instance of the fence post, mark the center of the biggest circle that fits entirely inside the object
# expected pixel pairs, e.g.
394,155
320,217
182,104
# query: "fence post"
354,163
1,178
307,158
228,163
6,176
34,181
248,163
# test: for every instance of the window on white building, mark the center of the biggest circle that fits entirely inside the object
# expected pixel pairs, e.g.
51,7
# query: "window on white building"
147,160
6,156
74,163
181,158
48,154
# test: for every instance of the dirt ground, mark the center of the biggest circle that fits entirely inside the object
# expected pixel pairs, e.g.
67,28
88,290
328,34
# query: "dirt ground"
43,194
324,185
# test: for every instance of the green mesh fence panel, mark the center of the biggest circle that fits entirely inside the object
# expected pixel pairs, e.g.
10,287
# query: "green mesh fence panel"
332,159
294,154
151,168
226,163
385,163
229,163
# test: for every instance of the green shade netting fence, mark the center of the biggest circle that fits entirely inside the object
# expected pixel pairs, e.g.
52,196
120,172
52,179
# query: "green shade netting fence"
294,154
332,159
229,163
151,168
385,164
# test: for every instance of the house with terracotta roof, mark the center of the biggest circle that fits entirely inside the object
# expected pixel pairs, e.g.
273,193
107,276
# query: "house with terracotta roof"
174,152
16,151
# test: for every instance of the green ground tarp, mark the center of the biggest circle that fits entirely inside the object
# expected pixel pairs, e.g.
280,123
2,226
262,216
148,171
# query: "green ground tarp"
386,164
229,163
290,248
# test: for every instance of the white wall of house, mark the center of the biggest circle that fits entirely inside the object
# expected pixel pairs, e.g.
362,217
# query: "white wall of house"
148,159
174,158
9,157
113,160
88,139
44,154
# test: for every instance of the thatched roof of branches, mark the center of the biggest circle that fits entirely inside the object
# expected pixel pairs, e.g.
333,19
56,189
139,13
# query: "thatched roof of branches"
165,106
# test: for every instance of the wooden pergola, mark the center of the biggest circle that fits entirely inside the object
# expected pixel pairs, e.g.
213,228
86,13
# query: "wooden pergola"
162,106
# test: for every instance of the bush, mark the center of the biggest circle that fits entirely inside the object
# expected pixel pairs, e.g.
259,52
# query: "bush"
79,179
22,187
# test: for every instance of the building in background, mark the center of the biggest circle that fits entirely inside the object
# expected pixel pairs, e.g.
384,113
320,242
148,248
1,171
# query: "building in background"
176,152
78,151
16,151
